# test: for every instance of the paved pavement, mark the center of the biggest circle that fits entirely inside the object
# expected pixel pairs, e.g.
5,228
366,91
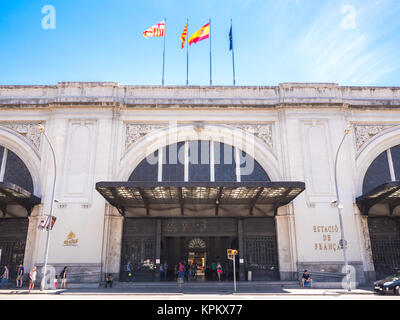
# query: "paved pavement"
213,290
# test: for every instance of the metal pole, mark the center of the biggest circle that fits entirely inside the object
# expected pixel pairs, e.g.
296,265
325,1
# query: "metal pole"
234,273
233,55
46,254
340,207
187,53
165,32
210,54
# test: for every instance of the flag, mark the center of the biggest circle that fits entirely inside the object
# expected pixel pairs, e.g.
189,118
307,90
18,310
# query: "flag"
184,35
201,34
157,30
230,40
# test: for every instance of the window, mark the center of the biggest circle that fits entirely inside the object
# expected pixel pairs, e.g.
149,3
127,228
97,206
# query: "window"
199,161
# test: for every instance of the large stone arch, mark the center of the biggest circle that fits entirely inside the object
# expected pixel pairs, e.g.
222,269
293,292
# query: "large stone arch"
371,150
23,148
219,133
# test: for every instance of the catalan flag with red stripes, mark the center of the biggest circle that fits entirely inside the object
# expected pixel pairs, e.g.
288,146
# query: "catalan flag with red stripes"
184,35
157,30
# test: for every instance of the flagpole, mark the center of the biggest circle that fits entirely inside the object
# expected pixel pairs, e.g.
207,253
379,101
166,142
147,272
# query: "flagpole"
210,54
233,55
163,66
187,53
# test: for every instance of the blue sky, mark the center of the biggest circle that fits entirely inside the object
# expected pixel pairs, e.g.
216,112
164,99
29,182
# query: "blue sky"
350,42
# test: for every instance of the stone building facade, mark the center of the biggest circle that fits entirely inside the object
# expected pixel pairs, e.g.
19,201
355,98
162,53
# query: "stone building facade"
103,133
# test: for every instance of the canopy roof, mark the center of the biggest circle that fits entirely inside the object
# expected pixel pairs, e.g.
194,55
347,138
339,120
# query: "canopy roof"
11,193
387,193
141,198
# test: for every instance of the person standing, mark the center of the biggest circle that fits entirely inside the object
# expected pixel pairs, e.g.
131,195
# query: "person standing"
161,271
176,272
63,277
32,278
227,269
4,278
165,270
213,269
20,274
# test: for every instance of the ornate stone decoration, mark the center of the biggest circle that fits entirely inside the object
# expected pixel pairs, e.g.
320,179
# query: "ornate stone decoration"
135,131
365,132
27,129
261,131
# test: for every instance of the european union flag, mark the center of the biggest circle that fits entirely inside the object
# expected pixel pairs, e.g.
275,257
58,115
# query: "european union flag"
230,40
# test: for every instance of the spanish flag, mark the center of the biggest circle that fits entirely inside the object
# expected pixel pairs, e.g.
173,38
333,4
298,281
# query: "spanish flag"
184,35
201,34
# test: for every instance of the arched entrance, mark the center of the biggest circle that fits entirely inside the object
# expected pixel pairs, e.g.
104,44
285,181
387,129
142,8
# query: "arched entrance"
200,189
16,204
380,202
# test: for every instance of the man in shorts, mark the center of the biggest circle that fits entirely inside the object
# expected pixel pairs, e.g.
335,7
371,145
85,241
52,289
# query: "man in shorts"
306,279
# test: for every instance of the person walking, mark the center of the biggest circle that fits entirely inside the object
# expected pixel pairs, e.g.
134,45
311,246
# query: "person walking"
32,279
4,278
20,274
129,270
63,277
219,271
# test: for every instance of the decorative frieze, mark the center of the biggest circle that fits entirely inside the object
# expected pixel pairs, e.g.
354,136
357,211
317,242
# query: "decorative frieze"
135,131
261,131
29,130
364,132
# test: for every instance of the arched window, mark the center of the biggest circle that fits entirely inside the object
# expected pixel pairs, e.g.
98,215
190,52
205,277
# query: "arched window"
199,161
13,169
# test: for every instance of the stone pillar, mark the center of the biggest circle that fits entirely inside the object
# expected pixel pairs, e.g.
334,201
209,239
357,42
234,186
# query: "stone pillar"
112,242
158,250
33,239
241,251
287,268
365,246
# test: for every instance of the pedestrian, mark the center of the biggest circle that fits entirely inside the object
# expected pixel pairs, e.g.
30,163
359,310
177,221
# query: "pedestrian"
55,282
129,270
213,269
161,271
227,270
306,279
32,278
109,280
4,278
63,277
219,271
176,272
20,274
165,270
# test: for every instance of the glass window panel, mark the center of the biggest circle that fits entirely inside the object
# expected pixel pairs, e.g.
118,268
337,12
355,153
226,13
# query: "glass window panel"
377,173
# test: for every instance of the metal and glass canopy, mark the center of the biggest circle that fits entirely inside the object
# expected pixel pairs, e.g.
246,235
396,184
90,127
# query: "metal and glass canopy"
11,193
140,198
387,193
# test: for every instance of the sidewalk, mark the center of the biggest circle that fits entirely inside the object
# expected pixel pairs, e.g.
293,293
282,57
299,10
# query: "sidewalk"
217,288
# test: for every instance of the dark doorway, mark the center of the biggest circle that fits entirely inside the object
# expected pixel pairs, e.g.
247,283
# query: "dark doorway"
205,252
13,234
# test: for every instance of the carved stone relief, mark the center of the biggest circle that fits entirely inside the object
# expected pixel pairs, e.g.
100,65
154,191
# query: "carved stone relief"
27,129
135,131
363,133
261,131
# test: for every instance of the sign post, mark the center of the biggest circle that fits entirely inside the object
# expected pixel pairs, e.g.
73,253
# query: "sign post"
231,253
